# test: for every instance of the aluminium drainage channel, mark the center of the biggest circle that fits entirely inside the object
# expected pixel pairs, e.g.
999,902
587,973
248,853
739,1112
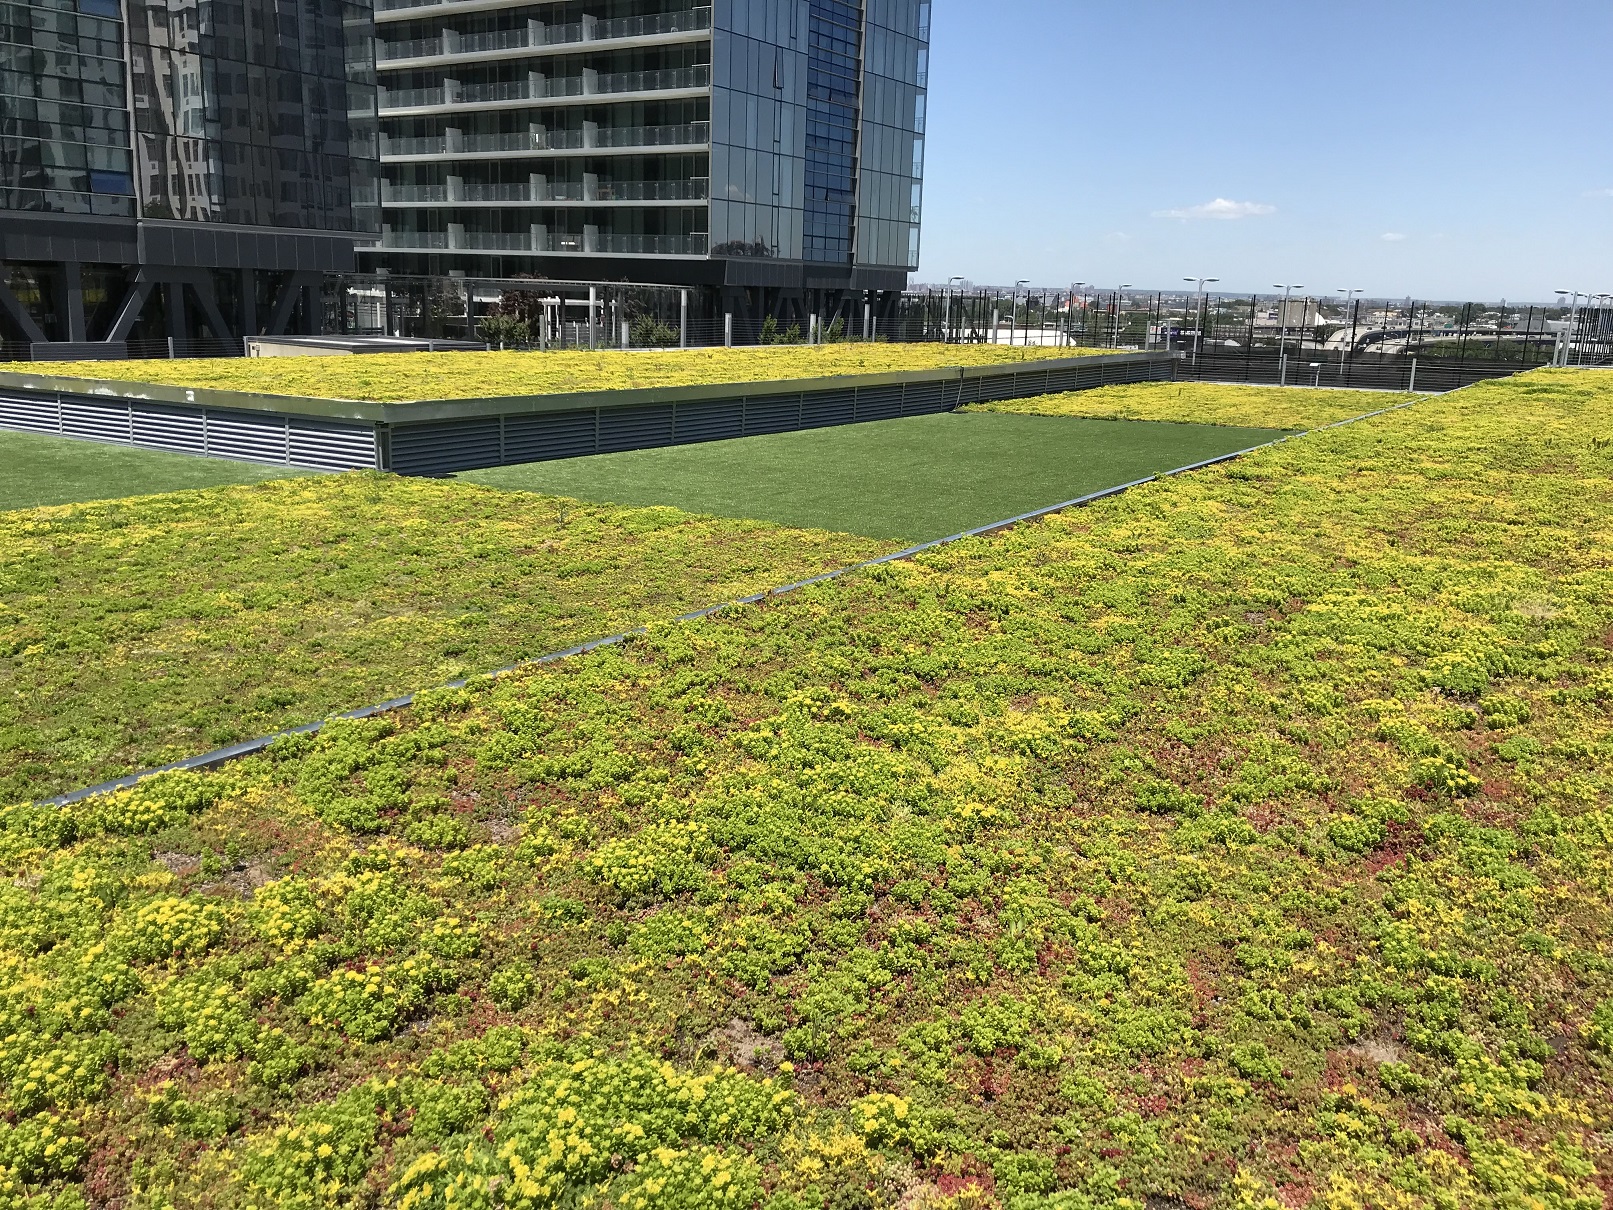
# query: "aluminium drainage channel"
219,756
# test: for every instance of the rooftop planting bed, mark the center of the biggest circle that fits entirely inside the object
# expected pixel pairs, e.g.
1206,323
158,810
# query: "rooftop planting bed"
408,377
1204,403
1242,842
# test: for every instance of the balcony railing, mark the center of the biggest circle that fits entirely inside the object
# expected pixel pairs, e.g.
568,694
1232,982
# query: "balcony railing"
587,244
694,189
654,81
588,84
688,134
494,191
413,193
536,35
492,39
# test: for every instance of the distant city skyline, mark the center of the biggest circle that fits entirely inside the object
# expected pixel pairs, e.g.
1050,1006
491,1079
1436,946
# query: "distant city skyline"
1396,150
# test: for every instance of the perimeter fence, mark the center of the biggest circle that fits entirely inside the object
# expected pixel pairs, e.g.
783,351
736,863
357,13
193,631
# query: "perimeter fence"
1355,342
1319,341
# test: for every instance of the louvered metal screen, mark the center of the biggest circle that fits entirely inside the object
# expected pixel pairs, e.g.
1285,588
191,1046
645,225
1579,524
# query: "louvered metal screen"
718,420
276,438
772,414
552,435
444,446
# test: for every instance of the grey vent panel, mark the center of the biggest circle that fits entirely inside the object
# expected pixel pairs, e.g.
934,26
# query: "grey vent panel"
546,437
634,428
443,446
446,446
772,414
716,421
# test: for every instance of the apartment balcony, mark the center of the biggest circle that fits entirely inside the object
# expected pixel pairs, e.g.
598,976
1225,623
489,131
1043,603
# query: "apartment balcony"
591,139
537,88
577,193
590,242
537,37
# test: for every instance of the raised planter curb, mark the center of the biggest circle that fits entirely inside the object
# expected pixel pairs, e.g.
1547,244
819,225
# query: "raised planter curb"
436,437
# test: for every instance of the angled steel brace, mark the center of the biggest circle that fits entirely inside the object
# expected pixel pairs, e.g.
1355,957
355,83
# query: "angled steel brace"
19,313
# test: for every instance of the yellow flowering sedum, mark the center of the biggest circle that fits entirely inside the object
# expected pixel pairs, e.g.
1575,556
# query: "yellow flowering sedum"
403,377
1206,403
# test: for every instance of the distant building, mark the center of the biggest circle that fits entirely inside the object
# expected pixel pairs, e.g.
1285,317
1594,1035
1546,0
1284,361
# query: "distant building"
1297,313
772,150
180,169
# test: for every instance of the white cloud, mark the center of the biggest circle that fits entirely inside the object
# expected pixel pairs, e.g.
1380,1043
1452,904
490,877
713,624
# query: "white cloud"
1220,208
1599,193
1392,237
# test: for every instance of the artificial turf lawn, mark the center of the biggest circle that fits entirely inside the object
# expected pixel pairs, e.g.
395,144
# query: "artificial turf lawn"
1205,403
402,377
1243,842
914,479
37,470
136,632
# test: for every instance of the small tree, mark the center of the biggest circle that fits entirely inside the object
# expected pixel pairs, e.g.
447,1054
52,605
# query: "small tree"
503,330
648,332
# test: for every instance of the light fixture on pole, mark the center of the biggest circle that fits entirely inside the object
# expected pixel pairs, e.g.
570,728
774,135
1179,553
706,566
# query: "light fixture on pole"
1568,332
1198,318
946,321
1080,286
1013,311
1282,341
1346,343
1116,340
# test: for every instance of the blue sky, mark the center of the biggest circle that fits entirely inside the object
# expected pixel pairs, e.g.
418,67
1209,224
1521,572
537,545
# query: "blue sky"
1437,148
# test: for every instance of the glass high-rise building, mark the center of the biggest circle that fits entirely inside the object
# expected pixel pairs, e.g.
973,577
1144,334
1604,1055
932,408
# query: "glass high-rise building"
749,145
180,168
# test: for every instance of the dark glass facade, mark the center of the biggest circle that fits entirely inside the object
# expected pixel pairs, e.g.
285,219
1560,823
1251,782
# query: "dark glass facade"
758,142
890,168
64,123
834,52
255,112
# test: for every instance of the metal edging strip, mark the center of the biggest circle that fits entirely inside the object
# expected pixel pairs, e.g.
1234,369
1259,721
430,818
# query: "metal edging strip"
219,756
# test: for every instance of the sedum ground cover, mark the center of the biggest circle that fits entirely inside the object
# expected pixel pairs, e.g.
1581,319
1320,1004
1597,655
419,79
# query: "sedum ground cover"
1206,403
1244,841
403,377
136,632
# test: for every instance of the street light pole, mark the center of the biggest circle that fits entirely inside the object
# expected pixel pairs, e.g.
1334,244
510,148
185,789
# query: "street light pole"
1346,343
1282,340
946,319
1568,333
1198,322
1013,311
1115,342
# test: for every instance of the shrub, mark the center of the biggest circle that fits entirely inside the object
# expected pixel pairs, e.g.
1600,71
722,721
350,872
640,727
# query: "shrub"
42,1148
286,914
647,332
661,859
501,331
607,1112
210,1015
368,1002
320,1158
1598,1030
512,986
439,832
173,928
